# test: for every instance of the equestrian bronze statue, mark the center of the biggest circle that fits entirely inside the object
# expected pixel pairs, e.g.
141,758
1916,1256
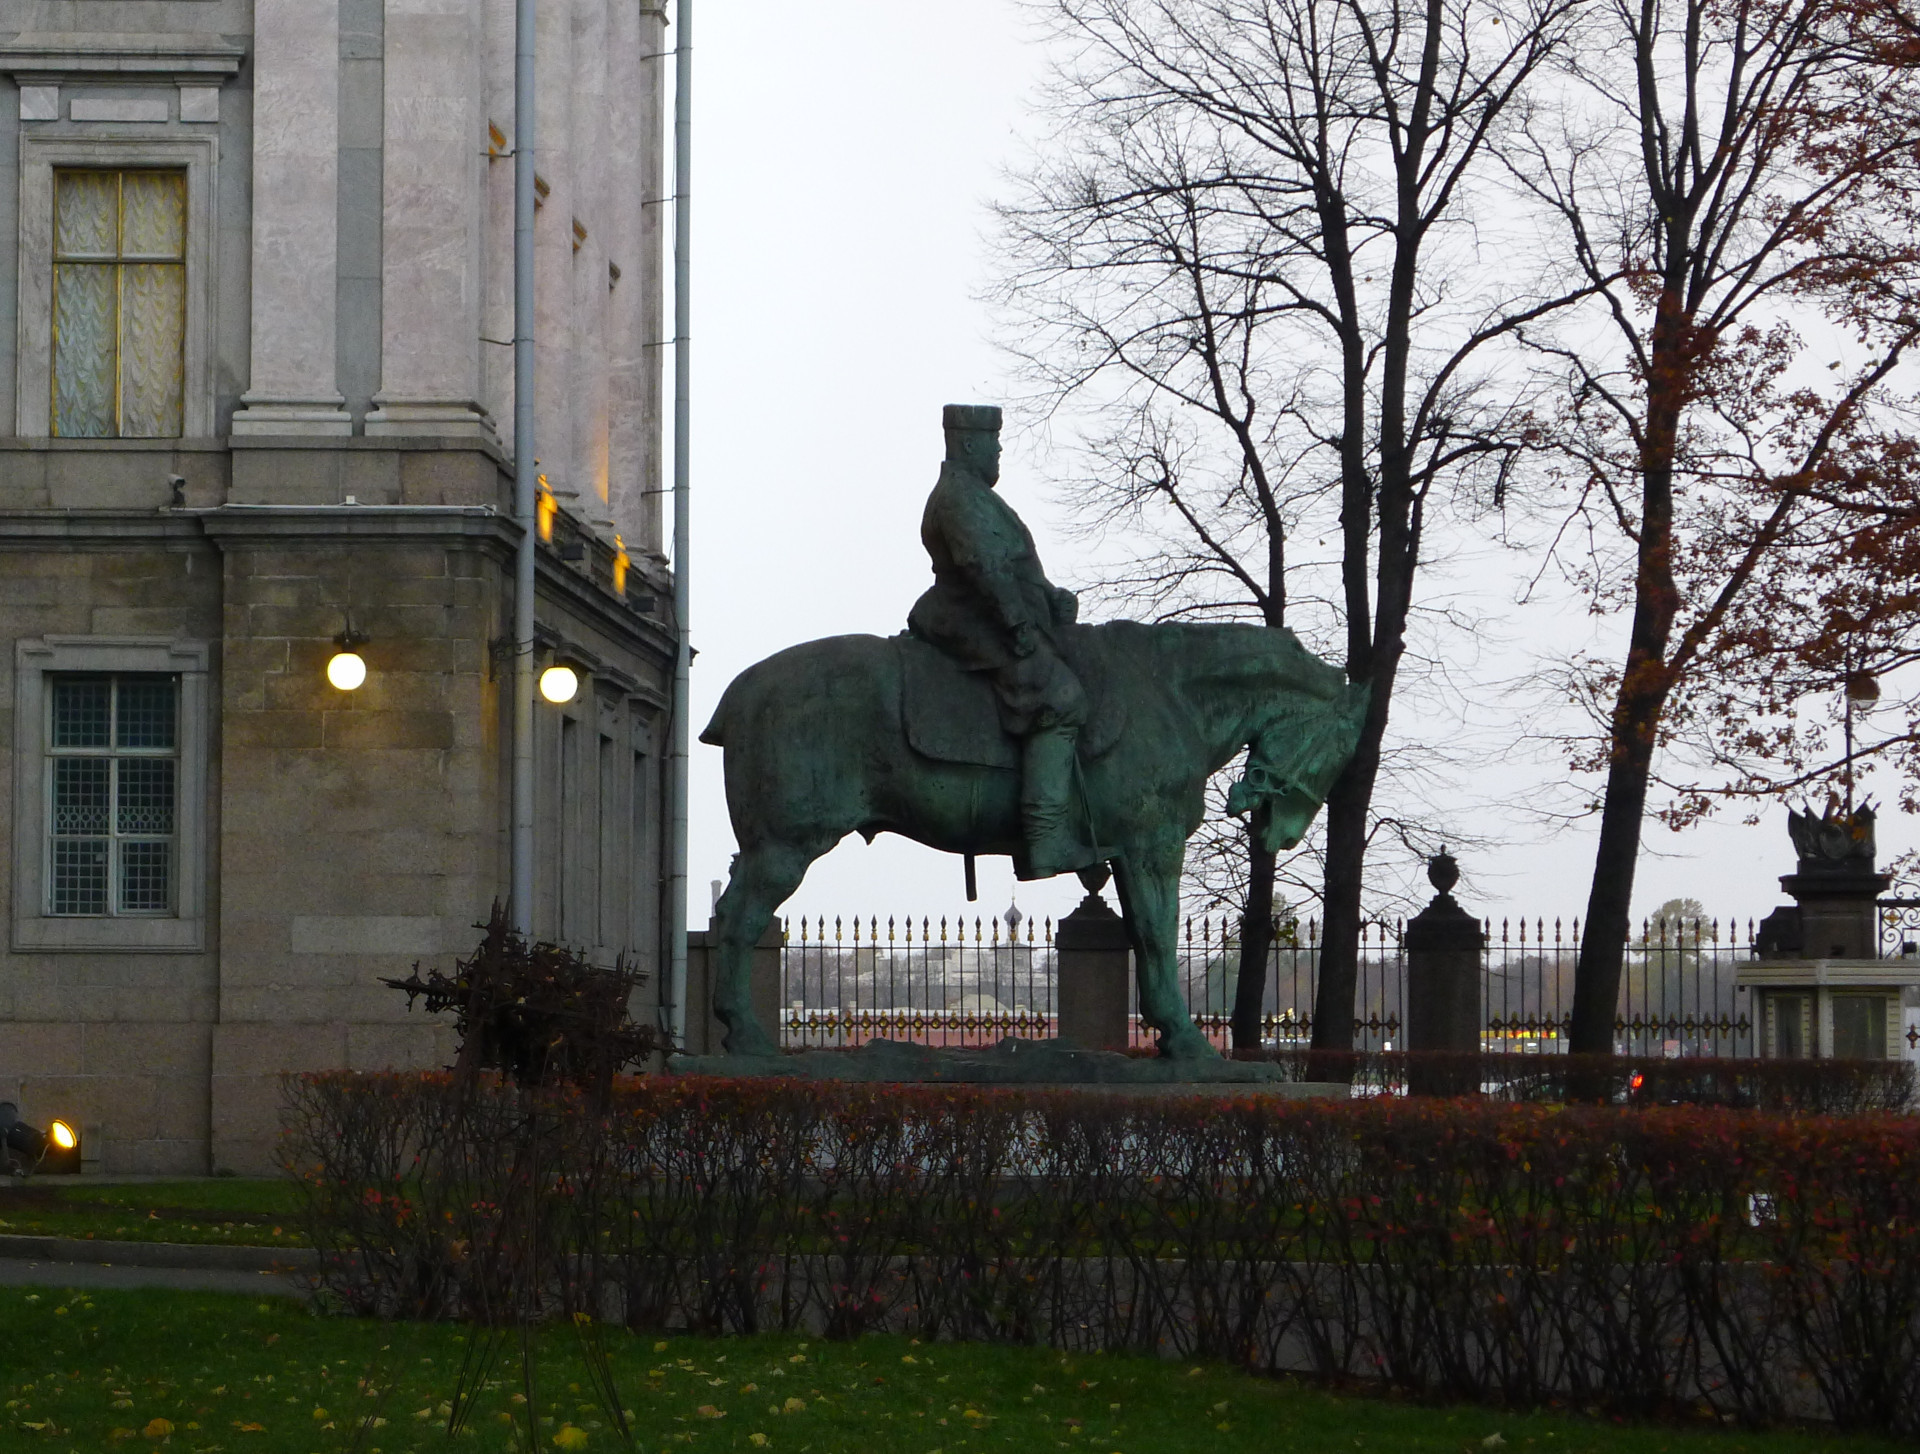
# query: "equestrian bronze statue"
996,724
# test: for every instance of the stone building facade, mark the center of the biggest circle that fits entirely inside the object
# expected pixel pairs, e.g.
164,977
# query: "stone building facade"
255,324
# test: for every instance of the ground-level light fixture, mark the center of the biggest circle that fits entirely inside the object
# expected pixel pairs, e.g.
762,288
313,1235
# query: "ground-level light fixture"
25,1148
559,684
346,668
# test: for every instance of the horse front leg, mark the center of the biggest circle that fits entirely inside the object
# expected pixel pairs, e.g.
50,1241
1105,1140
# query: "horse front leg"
763,878
1149,886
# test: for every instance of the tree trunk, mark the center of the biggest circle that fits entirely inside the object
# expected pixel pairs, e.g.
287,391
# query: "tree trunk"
1256,937
1642,694
1333,1001
1603,941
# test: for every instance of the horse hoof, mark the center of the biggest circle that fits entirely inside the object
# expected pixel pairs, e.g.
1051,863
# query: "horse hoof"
1188,1044
750,1041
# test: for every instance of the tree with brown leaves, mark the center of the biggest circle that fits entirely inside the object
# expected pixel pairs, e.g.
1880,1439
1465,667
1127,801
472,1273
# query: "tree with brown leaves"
1735,179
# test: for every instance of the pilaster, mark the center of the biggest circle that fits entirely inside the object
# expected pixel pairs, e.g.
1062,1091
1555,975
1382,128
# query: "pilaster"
296,84
436,139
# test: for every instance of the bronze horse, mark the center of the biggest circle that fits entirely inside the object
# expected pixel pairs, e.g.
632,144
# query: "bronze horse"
816,749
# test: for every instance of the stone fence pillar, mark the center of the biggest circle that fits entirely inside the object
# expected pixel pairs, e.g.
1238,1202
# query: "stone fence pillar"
1092,976
1444,943
705,1034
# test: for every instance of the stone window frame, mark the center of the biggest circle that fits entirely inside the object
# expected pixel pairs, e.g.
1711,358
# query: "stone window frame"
182,932
41,152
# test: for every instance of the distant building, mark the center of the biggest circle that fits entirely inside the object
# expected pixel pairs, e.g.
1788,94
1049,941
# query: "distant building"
259,283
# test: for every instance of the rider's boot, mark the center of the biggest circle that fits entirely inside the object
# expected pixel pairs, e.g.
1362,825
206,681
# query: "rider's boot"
1046,791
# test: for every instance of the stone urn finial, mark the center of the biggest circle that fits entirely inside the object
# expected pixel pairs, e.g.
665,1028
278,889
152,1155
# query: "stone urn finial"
1443,871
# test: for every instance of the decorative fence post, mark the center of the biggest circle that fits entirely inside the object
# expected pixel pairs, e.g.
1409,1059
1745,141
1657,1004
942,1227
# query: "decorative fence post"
1092,984
1444,944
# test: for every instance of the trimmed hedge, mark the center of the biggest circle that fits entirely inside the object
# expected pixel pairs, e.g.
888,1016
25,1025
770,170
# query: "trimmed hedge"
1755,1267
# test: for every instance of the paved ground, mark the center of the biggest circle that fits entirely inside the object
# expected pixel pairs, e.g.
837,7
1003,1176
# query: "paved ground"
21,1272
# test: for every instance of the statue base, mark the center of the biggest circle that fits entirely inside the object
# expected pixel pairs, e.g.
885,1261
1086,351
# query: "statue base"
1015,1062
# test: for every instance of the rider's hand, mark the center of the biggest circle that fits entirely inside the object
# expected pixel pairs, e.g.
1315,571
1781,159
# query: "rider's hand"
1025,638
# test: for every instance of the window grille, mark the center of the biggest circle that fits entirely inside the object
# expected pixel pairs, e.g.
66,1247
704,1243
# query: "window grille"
119,303
113,748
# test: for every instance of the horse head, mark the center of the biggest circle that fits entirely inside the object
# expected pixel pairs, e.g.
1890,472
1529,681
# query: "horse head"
1293,762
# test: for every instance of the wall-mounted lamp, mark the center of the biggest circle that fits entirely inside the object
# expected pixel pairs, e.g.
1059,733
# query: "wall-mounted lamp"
559,684
347,669
544,509
620,563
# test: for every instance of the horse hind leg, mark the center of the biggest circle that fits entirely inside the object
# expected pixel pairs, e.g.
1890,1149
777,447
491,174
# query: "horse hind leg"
763,878
1150,897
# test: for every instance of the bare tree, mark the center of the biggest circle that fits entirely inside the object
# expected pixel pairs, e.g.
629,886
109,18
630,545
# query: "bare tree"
1262,246
1733,178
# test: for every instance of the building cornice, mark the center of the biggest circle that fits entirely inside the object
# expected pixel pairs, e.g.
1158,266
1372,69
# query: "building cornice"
228,525
36,529
62,54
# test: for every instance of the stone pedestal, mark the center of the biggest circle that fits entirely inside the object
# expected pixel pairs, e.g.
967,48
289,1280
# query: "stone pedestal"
1092,977
1443,943
705,1034
1839,916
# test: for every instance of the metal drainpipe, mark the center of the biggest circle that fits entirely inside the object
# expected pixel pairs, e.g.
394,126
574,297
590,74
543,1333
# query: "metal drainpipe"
524,468
682,534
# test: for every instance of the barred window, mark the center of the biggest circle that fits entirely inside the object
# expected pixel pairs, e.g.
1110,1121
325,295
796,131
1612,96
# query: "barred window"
113,750
119,303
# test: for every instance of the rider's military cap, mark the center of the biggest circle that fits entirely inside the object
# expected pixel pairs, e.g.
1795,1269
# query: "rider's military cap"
971,416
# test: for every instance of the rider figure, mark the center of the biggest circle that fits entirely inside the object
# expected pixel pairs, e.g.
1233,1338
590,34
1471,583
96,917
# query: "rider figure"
993,610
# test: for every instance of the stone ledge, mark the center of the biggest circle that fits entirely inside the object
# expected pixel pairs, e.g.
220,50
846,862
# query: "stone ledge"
91,52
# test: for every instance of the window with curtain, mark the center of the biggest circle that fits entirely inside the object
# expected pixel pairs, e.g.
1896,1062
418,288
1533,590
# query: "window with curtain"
119,303
113,749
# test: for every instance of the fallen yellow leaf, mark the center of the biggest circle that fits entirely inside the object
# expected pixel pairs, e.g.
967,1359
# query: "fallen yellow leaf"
708,1411
570,1436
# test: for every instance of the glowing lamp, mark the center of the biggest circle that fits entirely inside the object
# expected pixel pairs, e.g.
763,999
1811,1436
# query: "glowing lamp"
347,670
25,1149
559,684
545,507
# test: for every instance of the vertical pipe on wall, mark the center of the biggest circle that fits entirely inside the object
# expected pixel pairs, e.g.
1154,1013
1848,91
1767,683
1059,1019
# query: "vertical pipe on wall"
682,415
524,468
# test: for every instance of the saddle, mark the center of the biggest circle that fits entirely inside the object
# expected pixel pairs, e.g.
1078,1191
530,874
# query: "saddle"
952,715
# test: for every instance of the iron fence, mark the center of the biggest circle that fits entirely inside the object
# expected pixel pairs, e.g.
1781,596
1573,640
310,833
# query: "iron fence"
969,982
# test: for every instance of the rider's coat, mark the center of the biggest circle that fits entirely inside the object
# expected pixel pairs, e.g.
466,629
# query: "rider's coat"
990,598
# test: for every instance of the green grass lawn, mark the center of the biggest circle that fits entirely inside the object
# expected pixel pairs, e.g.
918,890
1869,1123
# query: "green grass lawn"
228,1375
225,1210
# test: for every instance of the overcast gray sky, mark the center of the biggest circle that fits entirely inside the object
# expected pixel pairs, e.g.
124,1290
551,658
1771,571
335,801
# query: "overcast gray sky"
844,159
